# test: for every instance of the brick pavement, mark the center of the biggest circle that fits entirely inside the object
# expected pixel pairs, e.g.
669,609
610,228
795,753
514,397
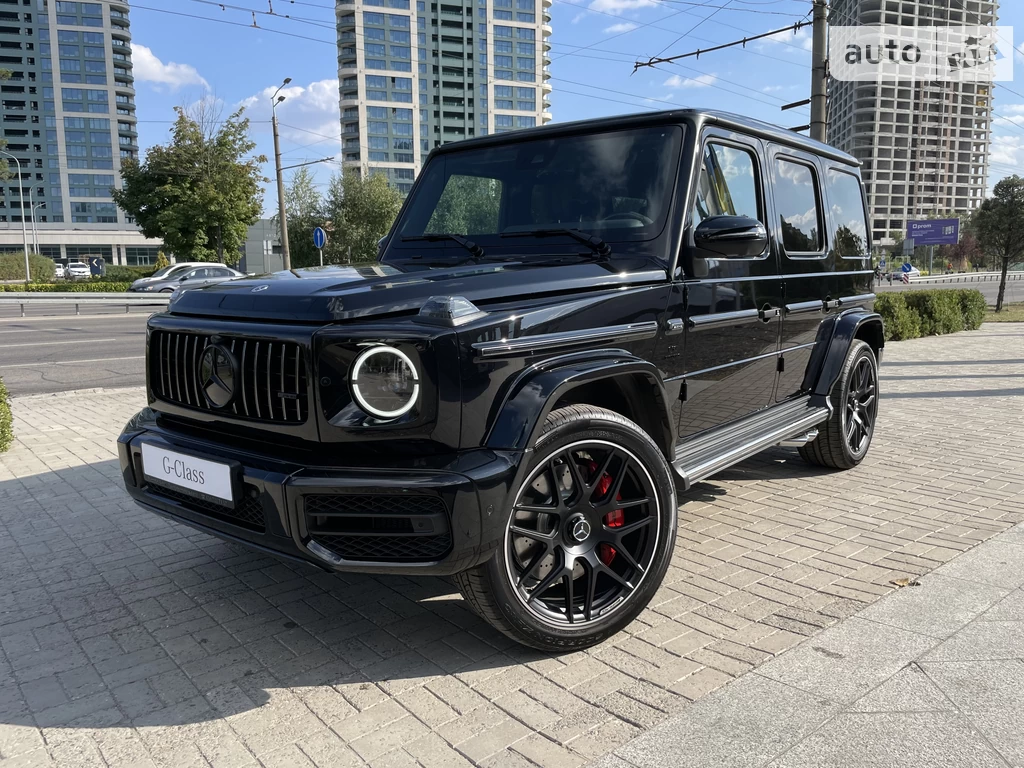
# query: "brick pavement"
126,640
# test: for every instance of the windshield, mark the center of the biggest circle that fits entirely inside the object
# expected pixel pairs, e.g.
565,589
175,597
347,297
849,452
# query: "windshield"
163,271
616,185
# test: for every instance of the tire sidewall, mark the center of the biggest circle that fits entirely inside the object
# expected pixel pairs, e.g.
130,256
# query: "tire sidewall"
630,436
859,350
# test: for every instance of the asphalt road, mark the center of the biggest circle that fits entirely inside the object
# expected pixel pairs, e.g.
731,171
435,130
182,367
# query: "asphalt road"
58,354
989,288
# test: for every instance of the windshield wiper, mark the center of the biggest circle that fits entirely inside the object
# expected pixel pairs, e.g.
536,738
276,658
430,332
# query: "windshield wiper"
596,244
469,245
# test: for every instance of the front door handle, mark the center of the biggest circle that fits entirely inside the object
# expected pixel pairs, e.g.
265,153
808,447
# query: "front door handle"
831,304
769,313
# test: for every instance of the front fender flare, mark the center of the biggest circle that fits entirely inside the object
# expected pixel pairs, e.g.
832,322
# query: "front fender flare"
537,389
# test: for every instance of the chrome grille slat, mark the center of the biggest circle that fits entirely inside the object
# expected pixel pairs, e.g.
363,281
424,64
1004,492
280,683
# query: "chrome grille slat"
175,370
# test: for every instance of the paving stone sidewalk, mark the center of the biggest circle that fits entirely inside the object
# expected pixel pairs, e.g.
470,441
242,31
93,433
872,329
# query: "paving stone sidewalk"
929,677
127,640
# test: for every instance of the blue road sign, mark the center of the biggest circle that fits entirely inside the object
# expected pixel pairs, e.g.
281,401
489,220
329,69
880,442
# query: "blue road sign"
934,231
319,237
906,267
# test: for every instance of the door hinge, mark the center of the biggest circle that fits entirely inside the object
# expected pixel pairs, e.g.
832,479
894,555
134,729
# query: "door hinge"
682,391
781,367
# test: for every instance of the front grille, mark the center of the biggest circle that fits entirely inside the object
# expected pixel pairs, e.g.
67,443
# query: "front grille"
379,527
247,513
272,382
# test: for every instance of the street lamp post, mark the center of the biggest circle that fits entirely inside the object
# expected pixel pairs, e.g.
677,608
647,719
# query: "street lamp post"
24,229
35,234
281,208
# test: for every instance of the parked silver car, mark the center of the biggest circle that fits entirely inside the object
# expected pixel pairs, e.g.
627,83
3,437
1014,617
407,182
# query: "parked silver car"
192,278
169,272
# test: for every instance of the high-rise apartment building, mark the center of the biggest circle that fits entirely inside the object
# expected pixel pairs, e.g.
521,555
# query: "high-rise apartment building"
68,112
924,145
415,74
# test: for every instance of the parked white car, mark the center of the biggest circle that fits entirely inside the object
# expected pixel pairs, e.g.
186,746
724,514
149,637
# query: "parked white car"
58,271
76,270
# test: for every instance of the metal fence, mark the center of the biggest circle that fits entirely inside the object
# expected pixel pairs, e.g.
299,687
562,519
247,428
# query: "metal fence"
968,277
78,299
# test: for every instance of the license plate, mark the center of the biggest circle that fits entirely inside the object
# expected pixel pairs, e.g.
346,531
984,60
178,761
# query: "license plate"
197,477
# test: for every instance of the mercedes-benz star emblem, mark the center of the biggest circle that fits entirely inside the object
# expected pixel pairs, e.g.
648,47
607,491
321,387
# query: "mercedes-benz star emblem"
259,288
217,375
581,530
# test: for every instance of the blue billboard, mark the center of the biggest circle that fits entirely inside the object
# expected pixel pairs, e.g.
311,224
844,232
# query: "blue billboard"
934,231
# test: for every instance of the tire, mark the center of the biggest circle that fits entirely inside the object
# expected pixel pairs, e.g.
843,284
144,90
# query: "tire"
575,567
842,441
166,290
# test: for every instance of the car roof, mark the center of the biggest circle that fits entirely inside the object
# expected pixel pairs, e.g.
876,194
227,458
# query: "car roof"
697,117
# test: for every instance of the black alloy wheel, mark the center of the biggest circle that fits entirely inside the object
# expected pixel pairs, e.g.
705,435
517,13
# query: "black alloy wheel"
582,533
587,538
844,439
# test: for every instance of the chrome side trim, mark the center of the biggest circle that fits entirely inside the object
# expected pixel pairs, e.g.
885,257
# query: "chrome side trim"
721,319
800,440
862,298
803,308
760,278
526,345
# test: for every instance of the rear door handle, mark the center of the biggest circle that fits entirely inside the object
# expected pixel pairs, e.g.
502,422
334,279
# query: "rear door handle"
832,304
768,314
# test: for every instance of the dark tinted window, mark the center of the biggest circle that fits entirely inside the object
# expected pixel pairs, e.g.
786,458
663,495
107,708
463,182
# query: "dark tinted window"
796,200
850,234
617,185
728,184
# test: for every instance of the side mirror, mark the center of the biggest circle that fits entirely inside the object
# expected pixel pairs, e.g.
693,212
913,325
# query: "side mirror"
731,237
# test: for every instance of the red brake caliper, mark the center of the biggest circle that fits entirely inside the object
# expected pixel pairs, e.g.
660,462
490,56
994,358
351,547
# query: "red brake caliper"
614,519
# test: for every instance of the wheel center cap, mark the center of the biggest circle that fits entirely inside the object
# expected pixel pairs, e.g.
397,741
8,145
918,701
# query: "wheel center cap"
579,529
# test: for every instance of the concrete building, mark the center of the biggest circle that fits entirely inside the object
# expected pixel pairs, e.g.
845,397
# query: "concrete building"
262,250
68,113
924,145
414,77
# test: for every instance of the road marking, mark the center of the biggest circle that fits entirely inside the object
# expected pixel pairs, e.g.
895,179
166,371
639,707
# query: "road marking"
71,362
43,330
55,343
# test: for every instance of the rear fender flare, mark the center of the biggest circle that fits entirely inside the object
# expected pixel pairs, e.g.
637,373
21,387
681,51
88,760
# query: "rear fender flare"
834,341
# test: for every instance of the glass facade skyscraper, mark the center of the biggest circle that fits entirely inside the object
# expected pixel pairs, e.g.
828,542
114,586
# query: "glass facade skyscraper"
415,74
68,113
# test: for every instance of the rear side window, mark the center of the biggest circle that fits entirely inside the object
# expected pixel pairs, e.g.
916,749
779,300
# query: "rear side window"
796,200
727,184
849,222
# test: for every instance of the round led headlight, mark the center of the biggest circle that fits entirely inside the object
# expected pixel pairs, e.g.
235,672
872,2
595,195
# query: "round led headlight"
385,383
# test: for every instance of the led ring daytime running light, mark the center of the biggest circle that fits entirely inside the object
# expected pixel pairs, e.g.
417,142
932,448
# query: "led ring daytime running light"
357,367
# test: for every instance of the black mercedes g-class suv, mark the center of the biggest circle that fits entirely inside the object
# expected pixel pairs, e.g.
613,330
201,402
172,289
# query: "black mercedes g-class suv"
564,326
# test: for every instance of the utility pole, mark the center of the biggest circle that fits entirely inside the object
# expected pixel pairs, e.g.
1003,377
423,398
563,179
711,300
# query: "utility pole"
24,229
819,71
281,211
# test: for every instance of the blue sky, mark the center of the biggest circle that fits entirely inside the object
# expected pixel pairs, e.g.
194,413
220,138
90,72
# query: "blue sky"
181,59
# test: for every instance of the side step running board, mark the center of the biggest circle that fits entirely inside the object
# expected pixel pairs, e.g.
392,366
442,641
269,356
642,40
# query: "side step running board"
792,422
800,440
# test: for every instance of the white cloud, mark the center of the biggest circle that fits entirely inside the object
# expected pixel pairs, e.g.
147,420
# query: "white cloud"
621,6
701,81
615,29
578,17
773,88
1007,151
313,109
1010,115
790,42
148,68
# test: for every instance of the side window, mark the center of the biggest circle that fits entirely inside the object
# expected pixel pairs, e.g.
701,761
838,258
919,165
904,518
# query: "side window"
468,205
849,222
798,205
727,185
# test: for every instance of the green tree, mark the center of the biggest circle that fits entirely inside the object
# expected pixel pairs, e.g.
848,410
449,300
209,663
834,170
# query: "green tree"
362,211
306,212
202,191
467,206
999,223
161,261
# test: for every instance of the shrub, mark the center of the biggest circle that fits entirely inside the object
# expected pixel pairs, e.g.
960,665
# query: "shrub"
12,266
6,420
900,321
973,307
91,286
119,274
939,311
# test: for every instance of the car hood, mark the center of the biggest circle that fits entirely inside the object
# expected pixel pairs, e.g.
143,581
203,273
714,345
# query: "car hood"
333,293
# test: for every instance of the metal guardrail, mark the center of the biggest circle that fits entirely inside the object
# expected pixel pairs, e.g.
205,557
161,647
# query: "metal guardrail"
117,299
968,277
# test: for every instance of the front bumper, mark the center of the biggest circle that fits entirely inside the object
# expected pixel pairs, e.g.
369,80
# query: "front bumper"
434,515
